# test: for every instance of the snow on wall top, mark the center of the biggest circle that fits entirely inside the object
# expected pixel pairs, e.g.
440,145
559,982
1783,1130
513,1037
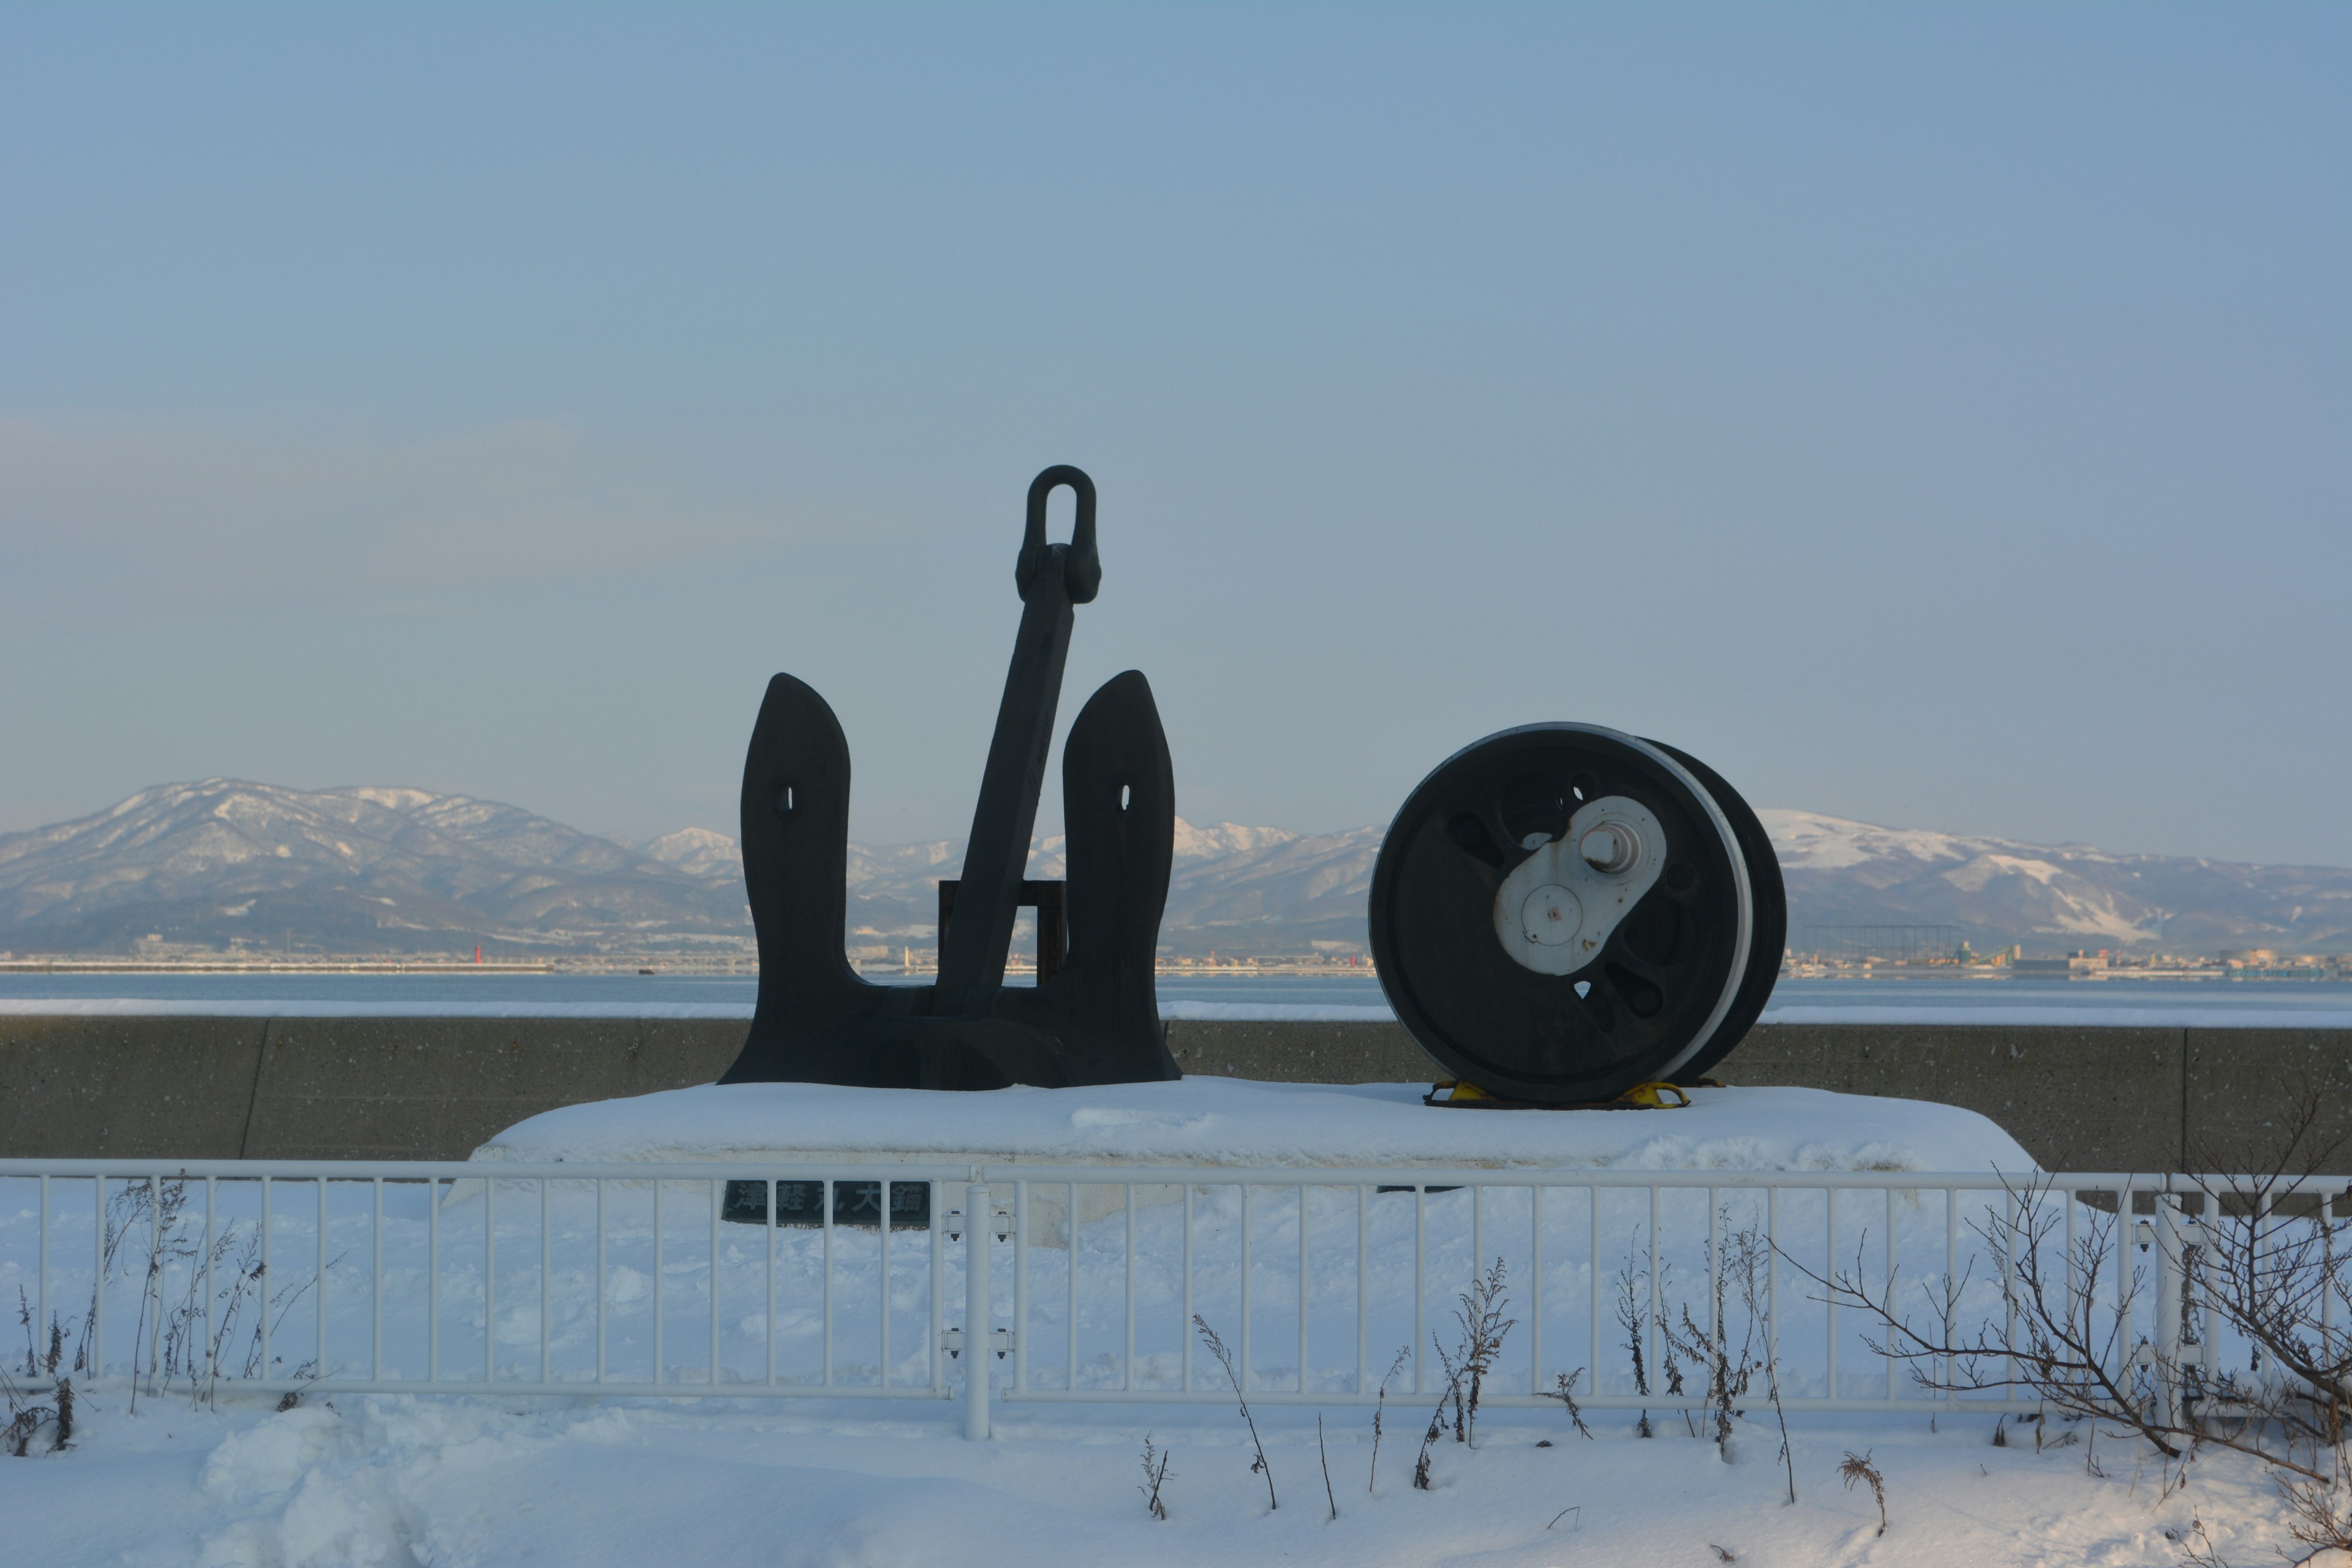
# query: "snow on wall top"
1232,1122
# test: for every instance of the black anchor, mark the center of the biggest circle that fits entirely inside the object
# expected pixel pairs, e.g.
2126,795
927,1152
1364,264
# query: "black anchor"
1093,1016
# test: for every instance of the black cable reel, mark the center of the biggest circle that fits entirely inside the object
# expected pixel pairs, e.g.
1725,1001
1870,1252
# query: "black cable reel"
1562,911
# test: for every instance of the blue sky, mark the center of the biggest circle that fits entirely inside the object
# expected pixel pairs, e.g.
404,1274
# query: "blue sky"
1937,417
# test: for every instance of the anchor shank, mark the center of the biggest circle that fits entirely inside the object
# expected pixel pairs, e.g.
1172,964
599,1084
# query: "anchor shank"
979,932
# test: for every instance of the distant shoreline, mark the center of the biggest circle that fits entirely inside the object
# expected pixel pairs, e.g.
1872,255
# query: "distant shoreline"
746,968
353,966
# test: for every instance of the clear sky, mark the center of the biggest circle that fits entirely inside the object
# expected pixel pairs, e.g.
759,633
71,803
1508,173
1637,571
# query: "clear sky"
1941,417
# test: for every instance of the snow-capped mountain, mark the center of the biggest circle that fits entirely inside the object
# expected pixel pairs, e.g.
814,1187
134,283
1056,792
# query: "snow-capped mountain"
2053,897
225,863
1284,894
228,864
1220,839
697,852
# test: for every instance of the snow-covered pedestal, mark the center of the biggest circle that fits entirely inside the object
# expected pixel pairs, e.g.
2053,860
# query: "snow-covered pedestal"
1223,1122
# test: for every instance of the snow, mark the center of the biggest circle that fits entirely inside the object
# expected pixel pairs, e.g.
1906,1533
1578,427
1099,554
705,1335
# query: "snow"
1236,1122
697,852
1222,838
1812,841
383,1480
404,1481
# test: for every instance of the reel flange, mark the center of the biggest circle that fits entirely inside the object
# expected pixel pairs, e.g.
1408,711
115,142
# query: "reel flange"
1562,911
1769,898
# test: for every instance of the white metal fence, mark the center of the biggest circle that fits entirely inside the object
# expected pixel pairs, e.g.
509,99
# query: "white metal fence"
1076,1283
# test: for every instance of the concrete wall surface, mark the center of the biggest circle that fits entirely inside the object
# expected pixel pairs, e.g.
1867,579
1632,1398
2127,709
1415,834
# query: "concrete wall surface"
435,1089
2079,1099
77,1087
388,1089
2246,1093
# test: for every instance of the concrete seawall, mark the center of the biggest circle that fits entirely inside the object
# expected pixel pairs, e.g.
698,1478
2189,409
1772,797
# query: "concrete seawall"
2103,1098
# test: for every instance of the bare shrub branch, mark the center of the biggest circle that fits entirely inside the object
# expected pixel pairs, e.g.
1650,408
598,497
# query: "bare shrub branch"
2261,1258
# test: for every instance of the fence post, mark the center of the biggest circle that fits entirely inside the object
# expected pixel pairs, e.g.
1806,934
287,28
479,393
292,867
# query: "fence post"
978,1312
2168,1314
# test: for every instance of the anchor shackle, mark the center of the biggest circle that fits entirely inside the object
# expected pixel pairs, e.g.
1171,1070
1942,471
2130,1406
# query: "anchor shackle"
1080,566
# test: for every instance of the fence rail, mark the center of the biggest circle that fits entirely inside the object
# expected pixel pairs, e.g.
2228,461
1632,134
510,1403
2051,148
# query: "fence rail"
1059,1283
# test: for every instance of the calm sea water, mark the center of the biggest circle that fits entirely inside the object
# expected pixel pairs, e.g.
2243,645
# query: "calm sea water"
2290,1001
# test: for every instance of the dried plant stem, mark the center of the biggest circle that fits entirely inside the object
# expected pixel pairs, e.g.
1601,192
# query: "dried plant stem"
1155,1473
1451,1391
1566,1393
1377,1409
1632,1317
1225,1359
25,1420
1483,1329
1326,1453
1858,1467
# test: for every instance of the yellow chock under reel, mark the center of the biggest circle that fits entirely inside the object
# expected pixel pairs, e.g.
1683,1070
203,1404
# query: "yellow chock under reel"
1641,1097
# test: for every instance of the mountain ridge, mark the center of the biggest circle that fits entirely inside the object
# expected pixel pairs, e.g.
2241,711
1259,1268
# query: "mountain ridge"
230,863
1840,871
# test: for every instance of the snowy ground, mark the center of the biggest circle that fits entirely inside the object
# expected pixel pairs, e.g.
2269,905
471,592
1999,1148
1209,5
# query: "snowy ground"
367,1480
350,1480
